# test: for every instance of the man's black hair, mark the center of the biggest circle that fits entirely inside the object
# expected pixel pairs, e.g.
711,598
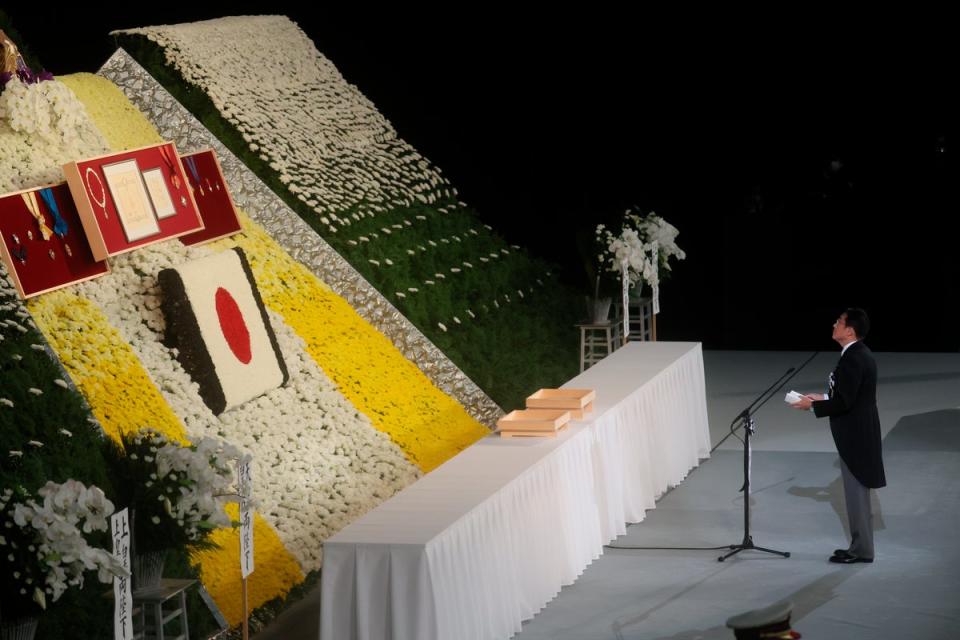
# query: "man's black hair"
859,321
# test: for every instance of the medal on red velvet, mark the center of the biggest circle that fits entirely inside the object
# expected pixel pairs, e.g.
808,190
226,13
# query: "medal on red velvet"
192,166
167,156
30,200
168,160
18,250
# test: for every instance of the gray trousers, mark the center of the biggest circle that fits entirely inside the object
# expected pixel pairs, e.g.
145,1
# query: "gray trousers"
859,514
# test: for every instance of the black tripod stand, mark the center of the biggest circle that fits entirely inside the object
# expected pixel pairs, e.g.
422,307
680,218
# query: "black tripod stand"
746,421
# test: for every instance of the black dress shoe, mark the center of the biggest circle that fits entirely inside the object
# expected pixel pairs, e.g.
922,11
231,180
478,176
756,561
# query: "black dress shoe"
843,553
848,559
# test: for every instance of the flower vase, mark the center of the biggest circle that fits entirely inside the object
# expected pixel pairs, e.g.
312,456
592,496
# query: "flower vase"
598,309
636,292
19,628
147,569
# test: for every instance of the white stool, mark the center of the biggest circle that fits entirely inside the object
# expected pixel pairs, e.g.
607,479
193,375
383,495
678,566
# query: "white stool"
597,341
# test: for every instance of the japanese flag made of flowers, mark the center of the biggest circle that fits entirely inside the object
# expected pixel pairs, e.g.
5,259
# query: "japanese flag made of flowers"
217,323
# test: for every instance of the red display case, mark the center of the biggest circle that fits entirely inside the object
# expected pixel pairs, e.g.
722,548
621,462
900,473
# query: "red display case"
132,199
217,210
36,263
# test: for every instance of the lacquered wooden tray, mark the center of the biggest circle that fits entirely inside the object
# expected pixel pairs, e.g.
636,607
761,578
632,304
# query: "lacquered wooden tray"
533,422
577,401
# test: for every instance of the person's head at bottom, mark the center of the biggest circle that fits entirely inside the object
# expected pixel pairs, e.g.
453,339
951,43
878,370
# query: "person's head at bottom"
769,623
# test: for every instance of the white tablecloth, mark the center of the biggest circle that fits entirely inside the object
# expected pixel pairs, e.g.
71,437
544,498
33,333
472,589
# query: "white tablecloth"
484,541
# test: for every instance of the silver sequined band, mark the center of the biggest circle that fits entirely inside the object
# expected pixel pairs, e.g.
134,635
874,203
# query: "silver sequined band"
175,123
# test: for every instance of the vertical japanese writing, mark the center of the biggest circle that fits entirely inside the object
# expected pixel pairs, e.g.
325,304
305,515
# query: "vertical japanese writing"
245,475
122,593
655,258
625,280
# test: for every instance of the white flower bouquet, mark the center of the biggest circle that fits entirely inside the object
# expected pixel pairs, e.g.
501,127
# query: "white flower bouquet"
44,544
177,492
645,244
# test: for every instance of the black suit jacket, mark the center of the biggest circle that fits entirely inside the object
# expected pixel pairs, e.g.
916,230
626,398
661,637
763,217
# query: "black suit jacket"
854,420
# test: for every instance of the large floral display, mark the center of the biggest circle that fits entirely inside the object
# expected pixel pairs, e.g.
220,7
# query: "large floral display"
285,109
354,423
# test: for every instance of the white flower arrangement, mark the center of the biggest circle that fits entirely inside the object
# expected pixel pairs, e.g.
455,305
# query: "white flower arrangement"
645,244
42,126
43,544
180,489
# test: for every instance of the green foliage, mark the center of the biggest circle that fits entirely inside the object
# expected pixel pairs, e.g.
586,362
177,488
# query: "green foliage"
44,418
25,366
520,336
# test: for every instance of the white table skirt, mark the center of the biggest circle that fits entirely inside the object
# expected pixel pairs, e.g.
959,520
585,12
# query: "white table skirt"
484,541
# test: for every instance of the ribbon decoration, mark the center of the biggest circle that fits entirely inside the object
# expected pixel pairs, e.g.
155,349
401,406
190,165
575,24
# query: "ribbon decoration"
168,160
192,165
30,199
59,224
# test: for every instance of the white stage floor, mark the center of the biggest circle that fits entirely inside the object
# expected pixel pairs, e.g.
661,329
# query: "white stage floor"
911,591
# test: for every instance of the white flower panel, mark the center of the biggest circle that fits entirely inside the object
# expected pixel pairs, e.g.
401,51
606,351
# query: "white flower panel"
325,139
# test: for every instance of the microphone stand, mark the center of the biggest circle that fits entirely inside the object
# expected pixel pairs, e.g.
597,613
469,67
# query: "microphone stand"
748,424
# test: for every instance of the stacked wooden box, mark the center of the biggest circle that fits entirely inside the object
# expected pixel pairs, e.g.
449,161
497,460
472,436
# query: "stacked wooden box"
548,412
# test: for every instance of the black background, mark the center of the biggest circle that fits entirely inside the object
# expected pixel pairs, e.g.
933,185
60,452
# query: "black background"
809,162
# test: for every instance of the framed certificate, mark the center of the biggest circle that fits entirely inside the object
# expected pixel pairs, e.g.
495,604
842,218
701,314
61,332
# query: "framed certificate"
159,194
123,208
129,193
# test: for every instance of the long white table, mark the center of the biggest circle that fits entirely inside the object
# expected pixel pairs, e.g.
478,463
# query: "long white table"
484,541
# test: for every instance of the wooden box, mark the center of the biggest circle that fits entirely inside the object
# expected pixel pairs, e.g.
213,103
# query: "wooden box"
132,199
533,422
37,264
577,401
217,210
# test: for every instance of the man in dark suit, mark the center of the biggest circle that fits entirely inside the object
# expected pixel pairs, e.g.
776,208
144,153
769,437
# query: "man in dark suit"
851,405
